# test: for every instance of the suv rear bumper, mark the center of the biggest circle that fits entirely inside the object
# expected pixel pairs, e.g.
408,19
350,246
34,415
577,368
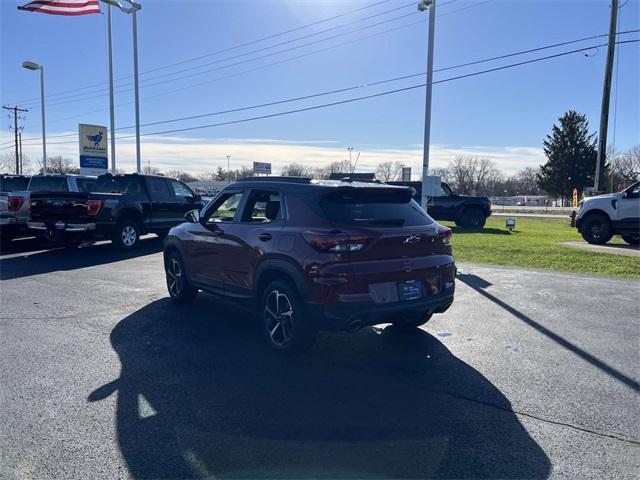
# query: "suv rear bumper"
349,316
61,226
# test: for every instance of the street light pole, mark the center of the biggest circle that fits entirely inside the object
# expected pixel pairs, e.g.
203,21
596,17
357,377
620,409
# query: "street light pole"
350,150
229,168
422,6
112,120
34,66
135,83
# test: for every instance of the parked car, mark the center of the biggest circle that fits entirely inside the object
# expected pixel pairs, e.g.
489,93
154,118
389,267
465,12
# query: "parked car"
313,255
9,226
601,217
119,207
19,200
469,212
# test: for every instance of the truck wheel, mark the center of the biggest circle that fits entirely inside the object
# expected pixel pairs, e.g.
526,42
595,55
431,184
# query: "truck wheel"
596,229
471,219
126,235
180,290
631,240
283,319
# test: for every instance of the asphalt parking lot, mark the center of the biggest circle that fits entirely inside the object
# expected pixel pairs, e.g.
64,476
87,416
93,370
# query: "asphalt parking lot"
530,374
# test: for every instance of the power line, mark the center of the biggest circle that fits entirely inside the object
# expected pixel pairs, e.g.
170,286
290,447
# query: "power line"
521,52
234,47
356,99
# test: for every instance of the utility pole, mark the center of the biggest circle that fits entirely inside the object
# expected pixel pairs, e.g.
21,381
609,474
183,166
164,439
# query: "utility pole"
229,168
350,150
20,148
14,111
606,94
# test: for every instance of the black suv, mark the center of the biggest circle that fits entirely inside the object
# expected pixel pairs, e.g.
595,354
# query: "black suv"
312,255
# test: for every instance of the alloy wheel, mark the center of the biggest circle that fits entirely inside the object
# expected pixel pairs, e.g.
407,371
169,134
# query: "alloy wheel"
128,235
174,272
278,318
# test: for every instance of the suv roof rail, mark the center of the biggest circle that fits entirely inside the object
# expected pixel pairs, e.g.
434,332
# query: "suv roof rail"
276,179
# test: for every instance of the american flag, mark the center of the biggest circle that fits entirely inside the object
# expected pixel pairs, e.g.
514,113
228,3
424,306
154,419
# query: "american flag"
63,7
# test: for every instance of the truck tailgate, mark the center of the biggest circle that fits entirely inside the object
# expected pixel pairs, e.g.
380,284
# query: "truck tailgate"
56,206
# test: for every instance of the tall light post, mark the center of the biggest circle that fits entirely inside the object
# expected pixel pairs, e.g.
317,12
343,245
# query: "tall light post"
229,168
130,10
422,6
34,66
350,150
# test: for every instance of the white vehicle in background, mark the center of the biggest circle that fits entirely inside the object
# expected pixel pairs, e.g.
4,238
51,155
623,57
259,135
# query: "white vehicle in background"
18,201
601,217
8,224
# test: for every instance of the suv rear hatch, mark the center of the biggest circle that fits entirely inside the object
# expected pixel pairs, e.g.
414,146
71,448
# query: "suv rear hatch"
395,251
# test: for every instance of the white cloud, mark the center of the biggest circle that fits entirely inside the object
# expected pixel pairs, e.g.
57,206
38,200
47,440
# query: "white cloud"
199,155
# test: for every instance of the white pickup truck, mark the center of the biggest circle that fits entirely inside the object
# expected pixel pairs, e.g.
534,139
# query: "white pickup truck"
601,217
14,205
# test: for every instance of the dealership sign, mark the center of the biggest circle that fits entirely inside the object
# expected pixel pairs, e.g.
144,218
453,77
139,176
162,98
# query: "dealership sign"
261,168
93,149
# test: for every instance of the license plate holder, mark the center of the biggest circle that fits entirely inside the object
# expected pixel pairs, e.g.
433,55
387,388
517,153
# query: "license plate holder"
410,290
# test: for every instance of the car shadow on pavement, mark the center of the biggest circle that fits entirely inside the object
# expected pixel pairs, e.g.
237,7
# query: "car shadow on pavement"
201,395
35,258
480,285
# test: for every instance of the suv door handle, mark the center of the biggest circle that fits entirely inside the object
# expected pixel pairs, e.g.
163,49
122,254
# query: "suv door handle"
265,237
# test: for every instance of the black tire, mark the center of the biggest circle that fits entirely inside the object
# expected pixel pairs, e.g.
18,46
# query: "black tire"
411,325
73,241
283,319
126,235
471,219
596,229
178,285
631,240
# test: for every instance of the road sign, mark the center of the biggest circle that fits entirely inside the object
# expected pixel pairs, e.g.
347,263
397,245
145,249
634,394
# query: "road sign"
93,149
406,174
575,198
261,168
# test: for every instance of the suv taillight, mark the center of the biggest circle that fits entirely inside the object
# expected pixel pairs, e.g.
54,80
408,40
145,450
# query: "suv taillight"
446,235
14,203
335,242
94,207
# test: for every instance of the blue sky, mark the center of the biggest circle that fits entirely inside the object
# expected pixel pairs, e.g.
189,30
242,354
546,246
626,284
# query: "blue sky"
503,115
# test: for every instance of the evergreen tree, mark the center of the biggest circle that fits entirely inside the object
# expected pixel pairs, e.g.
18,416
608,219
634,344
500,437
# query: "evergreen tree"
571,152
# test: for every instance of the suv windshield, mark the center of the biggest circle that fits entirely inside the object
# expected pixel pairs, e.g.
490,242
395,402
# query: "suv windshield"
110,184
390,208
48,184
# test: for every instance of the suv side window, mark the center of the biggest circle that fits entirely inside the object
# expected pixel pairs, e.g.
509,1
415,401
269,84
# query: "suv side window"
225,208
158,188
263,206
180,190
85,184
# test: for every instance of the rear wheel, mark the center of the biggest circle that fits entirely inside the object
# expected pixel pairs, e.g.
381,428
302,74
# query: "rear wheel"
180,289
411,325
631,240
126,235
283,319
472,219
596,229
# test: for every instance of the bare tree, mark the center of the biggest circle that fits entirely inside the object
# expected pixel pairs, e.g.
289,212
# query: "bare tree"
59,164
625,167
474,175
149,170
389,171
296,170
180,175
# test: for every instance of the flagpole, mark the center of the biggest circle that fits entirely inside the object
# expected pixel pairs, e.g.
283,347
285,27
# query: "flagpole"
111,110
135,83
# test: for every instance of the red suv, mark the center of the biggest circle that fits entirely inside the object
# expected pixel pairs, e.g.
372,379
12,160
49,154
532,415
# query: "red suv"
313,255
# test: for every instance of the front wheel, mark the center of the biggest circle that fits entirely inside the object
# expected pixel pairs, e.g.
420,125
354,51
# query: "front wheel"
283,319
631,240
472,219
596,229
180,289
126,235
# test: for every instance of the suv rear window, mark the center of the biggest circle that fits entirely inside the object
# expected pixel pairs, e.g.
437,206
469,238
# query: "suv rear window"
13,184
391,208
48,184
125,184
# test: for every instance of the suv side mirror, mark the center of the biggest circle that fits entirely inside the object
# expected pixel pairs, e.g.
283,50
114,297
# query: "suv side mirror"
192,216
